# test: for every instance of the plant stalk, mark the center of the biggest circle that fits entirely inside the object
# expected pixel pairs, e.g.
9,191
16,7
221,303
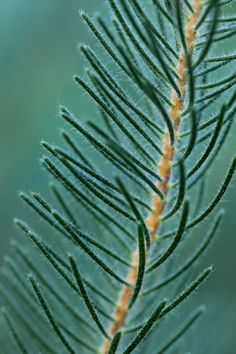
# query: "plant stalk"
164,169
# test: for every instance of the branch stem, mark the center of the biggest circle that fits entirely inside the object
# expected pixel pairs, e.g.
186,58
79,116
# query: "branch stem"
164,169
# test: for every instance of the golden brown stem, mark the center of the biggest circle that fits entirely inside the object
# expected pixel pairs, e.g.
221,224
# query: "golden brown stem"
165,169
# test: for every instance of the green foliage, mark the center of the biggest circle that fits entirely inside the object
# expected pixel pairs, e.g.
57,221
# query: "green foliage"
104,187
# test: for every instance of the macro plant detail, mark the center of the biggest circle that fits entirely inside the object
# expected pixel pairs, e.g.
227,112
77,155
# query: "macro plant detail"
114,266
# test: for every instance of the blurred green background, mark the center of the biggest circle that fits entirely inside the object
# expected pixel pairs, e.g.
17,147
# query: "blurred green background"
38,57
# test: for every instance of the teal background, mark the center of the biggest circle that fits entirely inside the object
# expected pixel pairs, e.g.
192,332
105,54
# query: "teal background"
38,57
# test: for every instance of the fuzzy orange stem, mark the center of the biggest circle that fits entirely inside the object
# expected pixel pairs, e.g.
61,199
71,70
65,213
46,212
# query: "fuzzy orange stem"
165,169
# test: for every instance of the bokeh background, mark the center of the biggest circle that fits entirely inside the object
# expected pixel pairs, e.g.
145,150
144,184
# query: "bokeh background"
38,56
